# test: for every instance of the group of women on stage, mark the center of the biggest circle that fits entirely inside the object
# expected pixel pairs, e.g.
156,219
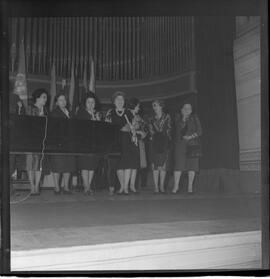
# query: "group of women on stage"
167,144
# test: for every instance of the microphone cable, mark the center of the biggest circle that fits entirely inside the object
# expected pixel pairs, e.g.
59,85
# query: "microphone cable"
40,160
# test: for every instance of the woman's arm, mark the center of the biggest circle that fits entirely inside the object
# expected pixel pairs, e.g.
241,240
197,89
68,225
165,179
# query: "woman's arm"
198,129
140,127
169,126
198,126
151,128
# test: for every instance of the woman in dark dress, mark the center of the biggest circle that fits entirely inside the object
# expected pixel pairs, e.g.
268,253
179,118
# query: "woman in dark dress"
88,163
16,107
188,130
34,161
130,158
62,164
160,137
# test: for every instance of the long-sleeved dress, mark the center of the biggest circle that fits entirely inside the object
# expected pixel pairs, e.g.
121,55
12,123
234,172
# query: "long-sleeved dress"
88,161
160,137
130,157
62,163
191,126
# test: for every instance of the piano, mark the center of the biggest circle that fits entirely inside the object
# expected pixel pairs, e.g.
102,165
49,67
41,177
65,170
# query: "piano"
53,135
62,136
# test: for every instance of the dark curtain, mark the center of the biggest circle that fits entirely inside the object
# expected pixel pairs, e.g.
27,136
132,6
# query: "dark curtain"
217,105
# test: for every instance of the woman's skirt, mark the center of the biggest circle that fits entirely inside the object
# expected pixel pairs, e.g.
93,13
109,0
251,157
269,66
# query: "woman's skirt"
88,162
160,152
34,162
160,160
181,161
130,154
63,163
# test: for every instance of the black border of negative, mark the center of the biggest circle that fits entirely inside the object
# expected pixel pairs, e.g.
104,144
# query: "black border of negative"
128,8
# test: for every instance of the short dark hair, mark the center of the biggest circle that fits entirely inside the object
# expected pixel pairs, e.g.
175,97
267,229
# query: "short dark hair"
133,102
118,93
37,93
160,102
58,95
189,101
91,95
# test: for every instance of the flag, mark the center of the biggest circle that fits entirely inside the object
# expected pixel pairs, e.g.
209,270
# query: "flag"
76,97
72,86
53,86
92,81
20,87
84,89
13,56
85,78
64,88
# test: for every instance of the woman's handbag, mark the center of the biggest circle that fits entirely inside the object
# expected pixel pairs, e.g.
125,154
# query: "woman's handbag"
194,148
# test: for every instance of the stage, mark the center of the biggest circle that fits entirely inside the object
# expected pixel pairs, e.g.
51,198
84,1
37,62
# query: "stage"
56,223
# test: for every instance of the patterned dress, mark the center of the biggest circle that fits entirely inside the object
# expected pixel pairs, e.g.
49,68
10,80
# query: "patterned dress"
160,137
89,161
130,157
191,126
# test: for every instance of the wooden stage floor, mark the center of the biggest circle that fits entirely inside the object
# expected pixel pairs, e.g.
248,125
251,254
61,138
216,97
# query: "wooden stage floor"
49,221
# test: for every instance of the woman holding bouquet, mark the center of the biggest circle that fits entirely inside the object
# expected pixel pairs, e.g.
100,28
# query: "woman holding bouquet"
129,158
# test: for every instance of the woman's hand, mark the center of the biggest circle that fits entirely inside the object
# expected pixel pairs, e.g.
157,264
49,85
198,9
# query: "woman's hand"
126,128
187,137
141,133
98,116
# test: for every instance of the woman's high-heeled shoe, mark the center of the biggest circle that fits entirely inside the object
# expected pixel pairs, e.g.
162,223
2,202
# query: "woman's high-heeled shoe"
57,192
175,190
162,191
67,192
132,190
